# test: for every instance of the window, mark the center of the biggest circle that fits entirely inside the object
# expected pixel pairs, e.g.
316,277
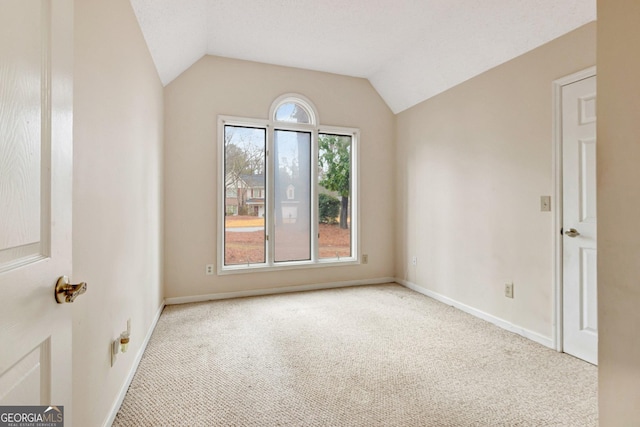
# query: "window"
334,200
244,169
292,112
290,190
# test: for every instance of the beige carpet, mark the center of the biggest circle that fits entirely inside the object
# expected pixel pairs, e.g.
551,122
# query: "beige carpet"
365,356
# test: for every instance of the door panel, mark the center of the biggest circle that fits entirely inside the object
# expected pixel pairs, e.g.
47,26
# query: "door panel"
26,380
588,290
580,315
36,112
587,177
24,33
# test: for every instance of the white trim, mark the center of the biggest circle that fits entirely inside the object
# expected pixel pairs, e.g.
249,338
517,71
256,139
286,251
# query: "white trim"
557,197
356,244
221,195
132,371
290,265
240,122
533,336
280,290
315,194
354,133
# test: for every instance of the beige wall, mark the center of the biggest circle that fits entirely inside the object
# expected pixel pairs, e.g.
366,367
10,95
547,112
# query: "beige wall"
618,212
118,111
472,164
216,86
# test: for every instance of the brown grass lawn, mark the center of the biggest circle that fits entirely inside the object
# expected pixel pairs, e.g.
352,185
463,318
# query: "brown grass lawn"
243,221
248,246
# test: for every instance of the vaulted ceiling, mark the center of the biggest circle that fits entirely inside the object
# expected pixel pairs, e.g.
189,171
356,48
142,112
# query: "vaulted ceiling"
410,50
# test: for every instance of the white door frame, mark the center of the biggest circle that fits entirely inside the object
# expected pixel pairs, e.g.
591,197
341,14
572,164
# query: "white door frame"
557,197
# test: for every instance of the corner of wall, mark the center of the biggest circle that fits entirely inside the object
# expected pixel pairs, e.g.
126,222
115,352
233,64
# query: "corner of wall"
117,200
472,163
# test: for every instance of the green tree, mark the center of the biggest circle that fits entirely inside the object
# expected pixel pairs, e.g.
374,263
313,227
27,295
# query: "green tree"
335,169
329,208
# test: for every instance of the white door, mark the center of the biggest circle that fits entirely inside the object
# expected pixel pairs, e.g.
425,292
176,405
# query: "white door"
36,113
580,308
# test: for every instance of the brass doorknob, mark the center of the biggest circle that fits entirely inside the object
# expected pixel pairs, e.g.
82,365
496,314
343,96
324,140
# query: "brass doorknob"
66,292
572,232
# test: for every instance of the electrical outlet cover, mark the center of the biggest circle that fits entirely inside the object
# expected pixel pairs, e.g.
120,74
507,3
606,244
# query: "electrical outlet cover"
508,290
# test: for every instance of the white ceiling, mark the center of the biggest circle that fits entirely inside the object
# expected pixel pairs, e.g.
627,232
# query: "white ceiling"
410,50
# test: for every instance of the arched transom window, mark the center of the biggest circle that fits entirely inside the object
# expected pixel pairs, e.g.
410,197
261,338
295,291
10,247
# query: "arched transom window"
293,108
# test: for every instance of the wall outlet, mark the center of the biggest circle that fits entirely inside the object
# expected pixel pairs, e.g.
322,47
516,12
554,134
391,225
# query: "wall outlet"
115,349
365,259
508,290
209,270
414,261
115,344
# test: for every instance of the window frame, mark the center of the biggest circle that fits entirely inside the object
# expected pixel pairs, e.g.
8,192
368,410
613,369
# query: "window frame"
270,126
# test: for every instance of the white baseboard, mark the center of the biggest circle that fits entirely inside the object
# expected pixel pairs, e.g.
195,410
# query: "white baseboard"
533,336
281,290
125,387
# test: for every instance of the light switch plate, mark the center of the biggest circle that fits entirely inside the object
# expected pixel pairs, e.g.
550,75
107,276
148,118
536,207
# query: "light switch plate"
545,203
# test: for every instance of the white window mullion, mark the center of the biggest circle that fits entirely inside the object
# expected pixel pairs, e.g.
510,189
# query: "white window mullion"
314,198
221,195
355,200
270,199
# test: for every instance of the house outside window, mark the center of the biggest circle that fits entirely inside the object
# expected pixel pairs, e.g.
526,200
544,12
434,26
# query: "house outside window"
290,190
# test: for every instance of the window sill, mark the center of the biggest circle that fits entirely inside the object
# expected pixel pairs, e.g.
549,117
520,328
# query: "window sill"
281,266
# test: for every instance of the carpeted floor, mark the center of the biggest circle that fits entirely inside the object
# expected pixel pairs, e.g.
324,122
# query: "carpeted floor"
364,356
